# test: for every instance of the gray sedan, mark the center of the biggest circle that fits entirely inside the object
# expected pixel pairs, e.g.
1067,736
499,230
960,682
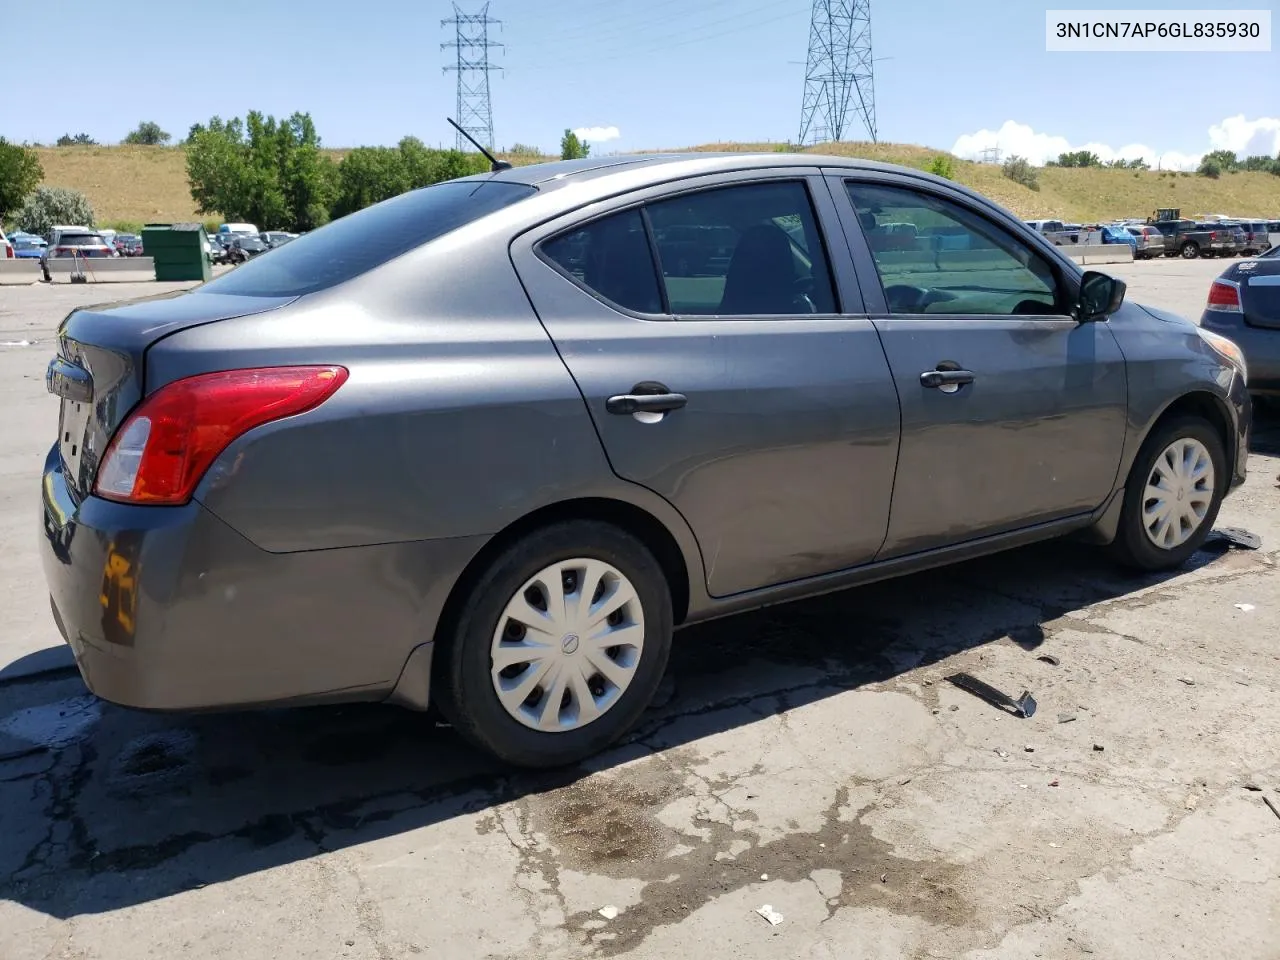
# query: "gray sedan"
485,445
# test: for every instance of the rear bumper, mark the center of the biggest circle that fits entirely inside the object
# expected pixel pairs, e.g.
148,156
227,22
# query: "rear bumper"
168,608
1261,348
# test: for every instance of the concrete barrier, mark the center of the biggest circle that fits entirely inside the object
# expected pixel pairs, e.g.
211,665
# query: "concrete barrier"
1083,253
19,271
102,269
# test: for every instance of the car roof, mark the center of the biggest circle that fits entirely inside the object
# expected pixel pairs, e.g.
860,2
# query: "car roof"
643,170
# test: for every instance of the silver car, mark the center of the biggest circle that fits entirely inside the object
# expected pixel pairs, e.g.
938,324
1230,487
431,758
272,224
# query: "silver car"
485,445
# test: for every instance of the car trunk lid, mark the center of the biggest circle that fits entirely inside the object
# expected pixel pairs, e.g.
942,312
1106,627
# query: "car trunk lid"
98,372
1260,292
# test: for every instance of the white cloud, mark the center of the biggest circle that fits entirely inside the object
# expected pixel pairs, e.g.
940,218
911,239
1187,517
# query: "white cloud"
597,134
1245,137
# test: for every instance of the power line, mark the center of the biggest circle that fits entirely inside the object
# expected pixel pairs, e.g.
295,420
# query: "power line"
839,70
472,45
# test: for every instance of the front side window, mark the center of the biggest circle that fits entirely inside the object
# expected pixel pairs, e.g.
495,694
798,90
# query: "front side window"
750,250
938,257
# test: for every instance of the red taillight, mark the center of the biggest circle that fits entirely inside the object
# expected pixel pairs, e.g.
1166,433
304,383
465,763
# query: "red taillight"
164,447
8,251
1224,296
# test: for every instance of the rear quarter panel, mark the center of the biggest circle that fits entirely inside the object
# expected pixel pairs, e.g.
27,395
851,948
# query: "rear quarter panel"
458,417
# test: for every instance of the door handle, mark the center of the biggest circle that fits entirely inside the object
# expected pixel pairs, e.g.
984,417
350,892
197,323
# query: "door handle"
629,403
945,378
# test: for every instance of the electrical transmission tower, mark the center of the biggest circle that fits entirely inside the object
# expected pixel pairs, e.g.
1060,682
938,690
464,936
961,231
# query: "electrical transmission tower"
990,154
839,70
472,45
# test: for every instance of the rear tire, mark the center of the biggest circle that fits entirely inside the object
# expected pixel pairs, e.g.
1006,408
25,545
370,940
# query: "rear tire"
604,687
1190,250
1158,532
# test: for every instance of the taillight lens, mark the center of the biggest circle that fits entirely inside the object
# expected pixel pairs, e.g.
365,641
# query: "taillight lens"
164,447
1224,297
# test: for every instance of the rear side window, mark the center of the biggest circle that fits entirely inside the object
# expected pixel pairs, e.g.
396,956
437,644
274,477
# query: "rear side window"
750,250
612,257
368,238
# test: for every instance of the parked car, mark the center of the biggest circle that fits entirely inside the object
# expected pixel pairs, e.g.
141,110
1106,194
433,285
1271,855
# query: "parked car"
71,243
6,248
1190,240
1244,305
129,245
1112,234
243,248
1149,242
275,238
1055,231
27,247
1256,237
476,445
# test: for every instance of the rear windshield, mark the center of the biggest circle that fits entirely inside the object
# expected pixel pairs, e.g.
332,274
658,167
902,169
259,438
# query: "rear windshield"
80,240
367,238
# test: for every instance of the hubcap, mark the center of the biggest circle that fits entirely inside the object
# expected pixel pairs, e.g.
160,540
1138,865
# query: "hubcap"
567,645
1179,493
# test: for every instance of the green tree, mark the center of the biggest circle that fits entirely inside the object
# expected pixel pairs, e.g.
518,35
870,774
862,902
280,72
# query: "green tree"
272,173
1210,167
148,134
1226,160
79,140
50,205
370,175
571,148
1079,158
20,173
1019,170
1261,164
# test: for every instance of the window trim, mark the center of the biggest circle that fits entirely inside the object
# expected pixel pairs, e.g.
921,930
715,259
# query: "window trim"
1065,290
661,192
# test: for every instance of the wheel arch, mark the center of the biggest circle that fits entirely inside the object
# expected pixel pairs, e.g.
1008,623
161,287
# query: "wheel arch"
635,520
1206,405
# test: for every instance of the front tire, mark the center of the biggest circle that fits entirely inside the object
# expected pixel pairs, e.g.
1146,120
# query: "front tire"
1173,494
559,646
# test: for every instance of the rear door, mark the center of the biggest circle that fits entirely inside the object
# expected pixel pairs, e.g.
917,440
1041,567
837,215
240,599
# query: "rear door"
1013,414
728,367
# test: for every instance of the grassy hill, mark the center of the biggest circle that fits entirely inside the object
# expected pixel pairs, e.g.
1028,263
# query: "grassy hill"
149,184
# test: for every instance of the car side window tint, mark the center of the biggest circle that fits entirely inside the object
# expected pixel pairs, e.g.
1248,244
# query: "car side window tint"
612,258
937,257
749,250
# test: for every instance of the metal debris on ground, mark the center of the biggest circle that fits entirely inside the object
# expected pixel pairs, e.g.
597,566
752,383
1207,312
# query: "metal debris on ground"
1029,748
1050,659
1024,706
770,914
1066,717
1053,783
1246,607
1271,803
1187,680
1099,747
1228,537
609,913
1002,754
1253,787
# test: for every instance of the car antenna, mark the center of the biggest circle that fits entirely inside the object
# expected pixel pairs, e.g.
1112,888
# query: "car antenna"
494,163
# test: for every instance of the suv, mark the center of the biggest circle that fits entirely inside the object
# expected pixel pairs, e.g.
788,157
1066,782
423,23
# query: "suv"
1256,238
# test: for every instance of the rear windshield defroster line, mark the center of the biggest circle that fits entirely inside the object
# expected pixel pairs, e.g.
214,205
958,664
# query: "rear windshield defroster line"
368,238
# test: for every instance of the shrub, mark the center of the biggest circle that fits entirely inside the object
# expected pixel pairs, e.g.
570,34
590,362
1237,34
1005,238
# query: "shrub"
211,226
941,166
148,134
20,173
571,148
1019,170
50,205
1209,167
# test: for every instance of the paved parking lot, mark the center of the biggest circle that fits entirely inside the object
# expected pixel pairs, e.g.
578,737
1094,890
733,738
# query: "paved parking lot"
809,757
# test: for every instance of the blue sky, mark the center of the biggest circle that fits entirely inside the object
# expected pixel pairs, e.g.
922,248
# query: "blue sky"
665,73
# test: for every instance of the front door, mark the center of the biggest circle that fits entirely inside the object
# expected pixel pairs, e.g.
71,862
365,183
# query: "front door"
704,329
1012,412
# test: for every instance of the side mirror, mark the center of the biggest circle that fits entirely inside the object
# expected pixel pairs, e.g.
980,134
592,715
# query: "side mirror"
1100,296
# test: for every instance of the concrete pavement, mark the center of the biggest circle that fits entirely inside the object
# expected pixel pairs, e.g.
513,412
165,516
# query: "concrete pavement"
810,757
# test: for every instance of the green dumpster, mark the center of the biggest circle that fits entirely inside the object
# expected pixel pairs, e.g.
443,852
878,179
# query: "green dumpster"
178,249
